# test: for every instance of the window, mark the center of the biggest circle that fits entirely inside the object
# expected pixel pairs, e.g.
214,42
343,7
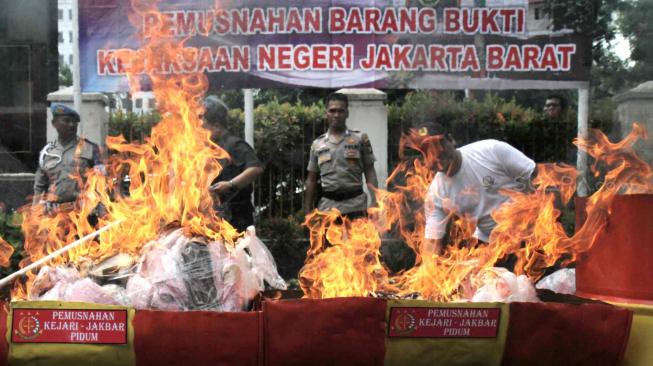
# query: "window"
70,14
138,103
70,34
60,14
538,13
60,60
151,103
60,37
70,60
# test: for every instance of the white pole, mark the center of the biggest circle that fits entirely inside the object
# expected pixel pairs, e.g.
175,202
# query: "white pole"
57,253
249,116
581,158
77,90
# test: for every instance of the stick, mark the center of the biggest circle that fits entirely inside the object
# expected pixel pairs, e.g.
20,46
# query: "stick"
57,253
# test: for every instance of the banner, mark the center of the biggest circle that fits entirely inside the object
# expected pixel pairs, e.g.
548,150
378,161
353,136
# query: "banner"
435,44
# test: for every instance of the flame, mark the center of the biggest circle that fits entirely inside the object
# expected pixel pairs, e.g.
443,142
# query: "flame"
170,171
6,250
527,226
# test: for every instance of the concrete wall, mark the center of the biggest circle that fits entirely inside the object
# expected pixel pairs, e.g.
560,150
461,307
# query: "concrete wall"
95,118
636,105
368,114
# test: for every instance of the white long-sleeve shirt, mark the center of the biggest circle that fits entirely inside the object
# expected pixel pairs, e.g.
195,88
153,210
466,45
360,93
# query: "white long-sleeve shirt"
487,166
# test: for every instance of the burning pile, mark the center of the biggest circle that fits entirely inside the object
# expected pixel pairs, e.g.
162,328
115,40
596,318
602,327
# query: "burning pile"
204,263
174,273
527,227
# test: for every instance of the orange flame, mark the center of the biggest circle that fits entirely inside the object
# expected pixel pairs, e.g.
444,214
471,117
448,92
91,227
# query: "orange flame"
527,226
6,250
170,172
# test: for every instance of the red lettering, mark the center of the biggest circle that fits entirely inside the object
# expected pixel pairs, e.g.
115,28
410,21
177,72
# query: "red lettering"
489,22
470,59
470,20
451,20
150,21
257,21
427,20
566,50
549,59
167,25
513,58
454,53
337,20
276,18
419,57
531,56
507,19
205,60
186,23
437,55
105,62
494,54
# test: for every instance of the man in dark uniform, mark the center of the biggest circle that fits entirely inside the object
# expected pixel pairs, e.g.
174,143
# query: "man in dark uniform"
340,158
62,161
234,184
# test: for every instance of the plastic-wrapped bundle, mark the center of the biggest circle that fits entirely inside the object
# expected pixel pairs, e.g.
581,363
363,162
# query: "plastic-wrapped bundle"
174,273
501,285
562,281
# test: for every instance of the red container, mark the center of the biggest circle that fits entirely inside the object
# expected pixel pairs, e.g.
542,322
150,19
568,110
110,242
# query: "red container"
619,267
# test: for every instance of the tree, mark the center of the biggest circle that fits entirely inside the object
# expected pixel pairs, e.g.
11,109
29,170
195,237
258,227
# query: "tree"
65,75
636,26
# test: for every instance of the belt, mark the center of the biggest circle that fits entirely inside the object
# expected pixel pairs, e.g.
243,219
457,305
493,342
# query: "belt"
344,194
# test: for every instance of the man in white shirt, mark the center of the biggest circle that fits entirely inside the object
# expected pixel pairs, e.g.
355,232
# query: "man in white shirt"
468,182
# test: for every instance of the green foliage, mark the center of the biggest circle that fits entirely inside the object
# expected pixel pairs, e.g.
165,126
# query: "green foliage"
636,25
586,17
494,117
286,240
131,125
65,75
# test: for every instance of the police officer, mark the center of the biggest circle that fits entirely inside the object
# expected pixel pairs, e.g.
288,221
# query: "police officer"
62,161
340,158
234,184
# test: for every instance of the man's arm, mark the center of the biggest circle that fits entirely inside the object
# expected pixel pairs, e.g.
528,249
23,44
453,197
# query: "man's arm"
41,184
309,194
371,181
243,179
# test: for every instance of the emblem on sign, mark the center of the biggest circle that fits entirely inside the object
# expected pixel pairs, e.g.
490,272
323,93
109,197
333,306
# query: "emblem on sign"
29,326
404,323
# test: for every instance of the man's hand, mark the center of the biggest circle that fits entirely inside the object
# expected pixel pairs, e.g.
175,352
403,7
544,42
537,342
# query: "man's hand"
220,188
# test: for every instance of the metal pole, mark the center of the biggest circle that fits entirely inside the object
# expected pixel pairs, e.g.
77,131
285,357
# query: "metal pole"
249,122
77,93
582,187
249,116
57,253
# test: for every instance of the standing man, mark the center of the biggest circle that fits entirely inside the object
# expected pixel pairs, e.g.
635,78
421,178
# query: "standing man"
554,106
234,184
62,161
468,181
340,158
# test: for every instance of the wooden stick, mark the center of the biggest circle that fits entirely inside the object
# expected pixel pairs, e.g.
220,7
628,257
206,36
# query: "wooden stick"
57,253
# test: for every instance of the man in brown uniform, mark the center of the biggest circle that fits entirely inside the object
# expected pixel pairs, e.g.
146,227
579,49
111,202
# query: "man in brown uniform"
62,160
340,158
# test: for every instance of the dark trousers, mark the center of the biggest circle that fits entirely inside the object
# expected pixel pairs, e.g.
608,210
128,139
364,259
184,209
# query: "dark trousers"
242,215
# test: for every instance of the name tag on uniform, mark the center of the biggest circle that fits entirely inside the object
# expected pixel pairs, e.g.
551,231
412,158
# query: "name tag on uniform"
323,156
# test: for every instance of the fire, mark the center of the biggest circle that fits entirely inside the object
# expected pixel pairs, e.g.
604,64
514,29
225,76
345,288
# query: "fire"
527,226
170,172
6,250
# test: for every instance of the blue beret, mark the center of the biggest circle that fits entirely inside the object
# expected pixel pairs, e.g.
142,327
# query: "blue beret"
63,110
